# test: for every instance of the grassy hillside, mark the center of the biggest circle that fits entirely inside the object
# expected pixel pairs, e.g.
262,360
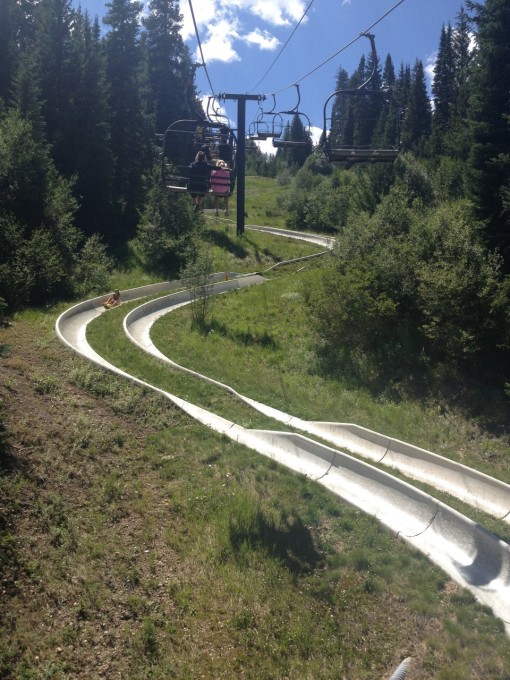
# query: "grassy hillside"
137,544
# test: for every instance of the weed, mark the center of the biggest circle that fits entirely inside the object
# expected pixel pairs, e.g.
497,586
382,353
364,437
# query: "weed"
149,639
47,384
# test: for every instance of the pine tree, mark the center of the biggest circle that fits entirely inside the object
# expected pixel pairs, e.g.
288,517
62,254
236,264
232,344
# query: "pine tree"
300,133
8,49
168,64
52,39
443,88
462,48
489,108
417,122
338,117
129,133
387,133
457,141
89,153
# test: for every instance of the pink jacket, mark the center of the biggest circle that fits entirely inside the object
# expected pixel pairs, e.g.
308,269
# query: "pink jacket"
220,181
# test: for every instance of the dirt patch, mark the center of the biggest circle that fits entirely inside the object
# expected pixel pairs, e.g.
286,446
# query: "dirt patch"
82,563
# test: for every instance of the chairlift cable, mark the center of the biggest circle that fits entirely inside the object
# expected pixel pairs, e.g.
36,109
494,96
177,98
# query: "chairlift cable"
361,35
200,47
284,46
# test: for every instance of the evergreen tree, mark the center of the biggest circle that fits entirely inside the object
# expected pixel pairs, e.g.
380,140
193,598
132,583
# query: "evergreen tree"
387,133
457,141
38,240
88,133
489,107
168,64
462,52
417,122
129,134
338,110
8,49
359,107
26,93
52,46
443,87
16,31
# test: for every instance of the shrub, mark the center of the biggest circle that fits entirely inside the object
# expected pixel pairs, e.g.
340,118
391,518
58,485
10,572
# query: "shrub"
197,278
166,230
93,266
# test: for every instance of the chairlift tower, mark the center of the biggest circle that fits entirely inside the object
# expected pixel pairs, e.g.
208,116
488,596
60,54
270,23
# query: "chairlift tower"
241,100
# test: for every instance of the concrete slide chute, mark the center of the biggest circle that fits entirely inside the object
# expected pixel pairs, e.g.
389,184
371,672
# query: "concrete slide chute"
473,557
469,485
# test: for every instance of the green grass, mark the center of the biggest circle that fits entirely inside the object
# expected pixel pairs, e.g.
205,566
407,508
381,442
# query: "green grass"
187,555
259,342
264,202
259,522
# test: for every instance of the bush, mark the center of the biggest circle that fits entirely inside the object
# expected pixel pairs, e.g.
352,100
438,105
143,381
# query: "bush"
407,287
197,278
166,230
93,267
459,285
38,239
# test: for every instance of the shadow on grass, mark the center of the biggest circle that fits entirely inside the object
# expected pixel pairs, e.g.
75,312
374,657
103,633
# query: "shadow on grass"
289,540
258,253
224,241
246,338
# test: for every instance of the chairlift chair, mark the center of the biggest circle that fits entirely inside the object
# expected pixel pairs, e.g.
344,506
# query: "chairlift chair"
180,144
280,142
341,145
214,115
267,124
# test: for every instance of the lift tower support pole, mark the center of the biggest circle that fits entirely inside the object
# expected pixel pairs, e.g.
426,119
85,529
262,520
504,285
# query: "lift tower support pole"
241,150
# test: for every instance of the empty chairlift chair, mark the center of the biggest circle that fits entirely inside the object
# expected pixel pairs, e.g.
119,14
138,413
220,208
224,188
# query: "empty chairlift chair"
365,124
285,141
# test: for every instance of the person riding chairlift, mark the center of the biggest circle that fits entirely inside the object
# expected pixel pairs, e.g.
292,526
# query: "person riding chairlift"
198,182
220,185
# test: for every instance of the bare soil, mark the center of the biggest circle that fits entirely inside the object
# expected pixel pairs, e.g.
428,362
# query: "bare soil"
78,507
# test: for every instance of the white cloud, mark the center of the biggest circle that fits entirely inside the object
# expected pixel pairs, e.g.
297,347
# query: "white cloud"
316,133
208,11
266,146
220,23
430,66
277,12
263,39
219,44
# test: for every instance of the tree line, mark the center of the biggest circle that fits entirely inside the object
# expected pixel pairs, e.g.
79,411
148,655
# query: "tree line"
79,110
419,277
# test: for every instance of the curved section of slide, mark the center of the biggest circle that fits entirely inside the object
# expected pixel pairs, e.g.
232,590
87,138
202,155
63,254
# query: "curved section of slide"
473,487
472,556
324,241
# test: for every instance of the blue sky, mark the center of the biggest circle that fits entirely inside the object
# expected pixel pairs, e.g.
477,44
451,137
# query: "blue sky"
241,38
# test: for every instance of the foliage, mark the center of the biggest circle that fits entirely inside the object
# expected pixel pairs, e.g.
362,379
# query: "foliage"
489,104
91,272
407,287
38,240
166,231
196,276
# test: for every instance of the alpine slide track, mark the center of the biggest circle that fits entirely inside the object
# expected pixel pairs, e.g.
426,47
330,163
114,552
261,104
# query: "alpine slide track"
472,556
